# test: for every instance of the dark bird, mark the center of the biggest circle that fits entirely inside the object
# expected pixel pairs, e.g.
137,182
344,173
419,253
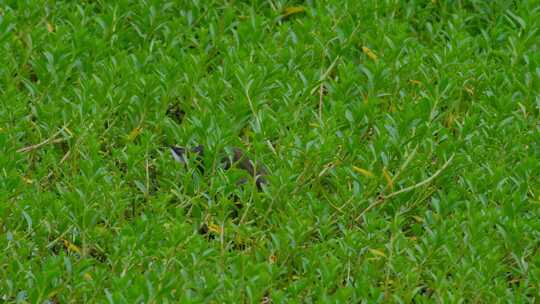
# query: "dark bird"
235,158
184,155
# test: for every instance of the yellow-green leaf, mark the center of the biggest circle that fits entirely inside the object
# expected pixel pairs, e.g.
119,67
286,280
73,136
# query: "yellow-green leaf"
27,180
134,133
214,228
71,247
364,172
292,10
377,252
50,27
418,218
87,276
388,178
369,53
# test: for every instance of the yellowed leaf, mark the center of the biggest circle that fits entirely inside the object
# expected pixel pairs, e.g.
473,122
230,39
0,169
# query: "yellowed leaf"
388,178
27,180
52,294
134,133
449,120
369,53
272,259
469,89
418,218
71,247
68,131
87,276
214,228
364,172
416,82
292,10
377,252
50,27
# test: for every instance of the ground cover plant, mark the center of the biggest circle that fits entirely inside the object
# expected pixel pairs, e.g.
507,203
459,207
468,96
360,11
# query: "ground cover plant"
401,140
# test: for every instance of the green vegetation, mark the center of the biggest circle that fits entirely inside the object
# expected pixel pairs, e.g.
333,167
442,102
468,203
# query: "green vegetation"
345,102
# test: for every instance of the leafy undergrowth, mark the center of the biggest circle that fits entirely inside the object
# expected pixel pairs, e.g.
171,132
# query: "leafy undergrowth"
401,139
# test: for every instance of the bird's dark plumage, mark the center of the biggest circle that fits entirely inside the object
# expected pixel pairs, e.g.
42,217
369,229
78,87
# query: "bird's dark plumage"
233,158
239,159
183,155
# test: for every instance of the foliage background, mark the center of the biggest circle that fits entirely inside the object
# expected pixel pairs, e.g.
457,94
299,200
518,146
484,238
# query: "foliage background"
332,96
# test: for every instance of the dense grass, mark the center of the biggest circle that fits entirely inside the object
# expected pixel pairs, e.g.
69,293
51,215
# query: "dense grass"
346,103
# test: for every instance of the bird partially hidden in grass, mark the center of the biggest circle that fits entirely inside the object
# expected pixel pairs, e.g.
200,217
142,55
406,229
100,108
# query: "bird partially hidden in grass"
182,155
232,158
